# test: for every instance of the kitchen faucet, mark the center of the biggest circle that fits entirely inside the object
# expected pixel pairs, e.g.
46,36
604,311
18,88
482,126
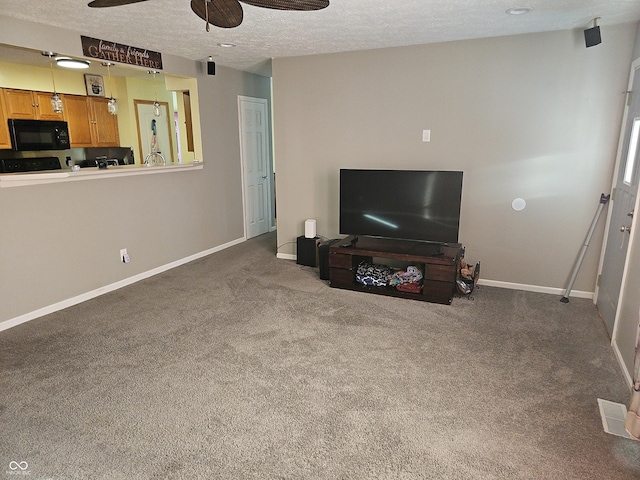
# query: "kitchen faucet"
152,159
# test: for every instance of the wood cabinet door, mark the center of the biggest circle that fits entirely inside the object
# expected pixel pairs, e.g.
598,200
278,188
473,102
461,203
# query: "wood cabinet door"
105,126
77,114
42,101
5,139
29,105
19,103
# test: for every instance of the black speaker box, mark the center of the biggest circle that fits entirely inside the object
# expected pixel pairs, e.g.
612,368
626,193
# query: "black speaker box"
307,252
592,36
211,68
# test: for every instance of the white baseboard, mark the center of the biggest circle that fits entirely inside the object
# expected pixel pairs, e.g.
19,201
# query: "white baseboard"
110,288
534,288
12,322
627,374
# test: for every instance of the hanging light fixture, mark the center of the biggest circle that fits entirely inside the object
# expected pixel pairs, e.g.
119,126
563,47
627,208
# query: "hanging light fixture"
68,62
56,101
156,104
112,105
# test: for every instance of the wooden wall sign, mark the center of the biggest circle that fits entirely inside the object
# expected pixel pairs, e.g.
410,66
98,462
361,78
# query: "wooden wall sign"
117,52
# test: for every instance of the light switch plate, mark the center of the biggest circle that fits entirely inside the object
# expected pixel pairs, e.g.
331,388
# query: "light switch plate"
426,135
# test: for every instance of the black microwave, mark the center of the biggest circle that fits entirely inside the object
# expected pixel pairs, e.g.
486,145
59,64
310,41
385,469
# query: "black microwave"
28,135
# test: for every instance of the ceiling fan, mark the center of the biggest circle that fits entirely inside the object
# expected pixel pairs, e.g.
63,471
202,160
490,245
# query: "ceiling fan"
227,13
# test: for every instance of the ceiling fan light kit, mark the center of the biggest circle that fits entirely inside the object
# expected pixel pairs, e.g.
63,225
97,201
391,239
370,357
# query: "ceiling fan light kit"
227,13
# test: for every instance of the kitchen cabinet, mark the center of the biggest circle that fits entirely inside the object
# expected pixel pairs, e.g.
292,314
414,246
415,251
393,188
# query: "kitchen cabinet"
90,123
29,105
77,116
5,140
105,125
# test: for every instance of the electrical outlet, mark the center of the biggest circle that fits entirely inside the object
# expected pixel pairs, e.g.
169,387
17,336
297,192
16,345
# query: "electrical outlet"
426,135
124,256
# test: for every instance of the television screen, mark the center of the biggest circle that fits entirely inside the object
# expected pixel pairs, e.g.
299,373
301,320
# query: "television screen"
402,204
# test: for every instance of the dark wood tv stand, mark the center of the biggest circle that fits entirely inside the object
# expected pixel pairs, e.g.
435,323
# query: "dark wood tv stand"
439,267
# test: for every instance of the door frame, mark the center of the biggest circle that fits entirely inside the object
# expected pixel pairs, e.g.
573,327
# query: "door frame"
635,70
269,181
140,107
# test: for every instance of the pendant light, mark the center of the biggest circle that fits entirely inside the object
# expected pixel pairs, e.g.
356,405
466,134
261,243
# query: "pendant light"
56,101
112,105
156,104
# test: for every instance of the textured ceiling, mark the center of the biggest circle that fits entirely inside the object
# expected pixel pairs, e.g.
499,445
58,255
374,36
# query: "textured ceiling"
170,27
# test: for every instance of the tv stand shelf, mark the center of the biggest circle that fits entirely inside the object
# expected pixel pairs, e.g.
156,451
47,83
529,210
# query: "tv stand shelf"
438,263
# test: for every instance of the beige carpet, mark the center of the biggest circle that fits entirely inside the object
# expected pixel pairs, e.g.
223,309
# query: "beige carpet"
241,366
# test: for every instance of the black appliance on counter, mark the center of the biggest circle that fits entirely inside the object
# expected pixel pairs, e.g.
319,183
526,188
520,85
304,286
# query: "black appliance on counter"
39,160
107,156
37,135
15,165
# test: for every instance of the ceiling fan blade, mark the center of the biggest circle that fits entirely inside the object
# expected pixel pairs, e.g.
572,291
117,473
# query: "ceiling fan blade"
112,3
222,13
289,4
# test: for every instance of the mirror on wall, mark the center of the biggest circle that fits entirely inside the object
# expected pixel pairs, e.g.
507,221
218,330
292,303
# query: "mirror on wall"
27,69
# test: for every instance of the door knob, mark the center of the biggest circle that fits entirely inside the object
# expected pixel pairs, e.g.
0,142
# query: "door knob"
264,177
625,229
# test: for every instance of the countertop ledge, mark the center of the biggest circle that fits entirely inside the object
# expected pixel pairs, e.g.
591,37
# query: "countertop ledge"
55,176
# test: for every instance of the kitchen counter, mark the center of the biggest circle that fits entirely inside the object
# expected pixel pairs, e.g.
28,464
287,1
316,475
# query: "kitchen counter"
92,173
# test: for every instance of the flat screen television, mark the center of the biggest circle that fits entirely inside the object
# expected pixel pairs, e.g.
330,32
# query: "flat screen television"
401,204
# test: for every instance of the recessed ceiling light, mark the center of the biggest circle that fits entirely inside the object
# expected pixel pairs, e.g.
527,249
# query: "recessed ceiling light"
519,10
67,62
227,45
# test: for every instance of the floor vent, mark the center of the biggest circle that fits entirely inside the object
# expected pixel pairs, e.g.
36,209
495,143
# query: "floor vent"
613,416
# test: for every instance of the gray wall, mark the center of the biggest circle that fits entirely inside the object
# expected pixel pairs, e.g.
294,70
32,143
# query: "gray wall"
636,47
62,240
535,116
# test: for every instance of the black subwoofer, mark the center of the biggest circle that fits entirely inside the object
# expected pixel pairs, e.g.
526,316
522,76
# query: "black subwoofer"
307,252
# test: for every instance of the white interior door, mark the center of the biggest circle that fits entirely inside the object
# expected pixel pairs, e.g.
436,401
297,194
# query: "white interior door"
623,204
254,141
